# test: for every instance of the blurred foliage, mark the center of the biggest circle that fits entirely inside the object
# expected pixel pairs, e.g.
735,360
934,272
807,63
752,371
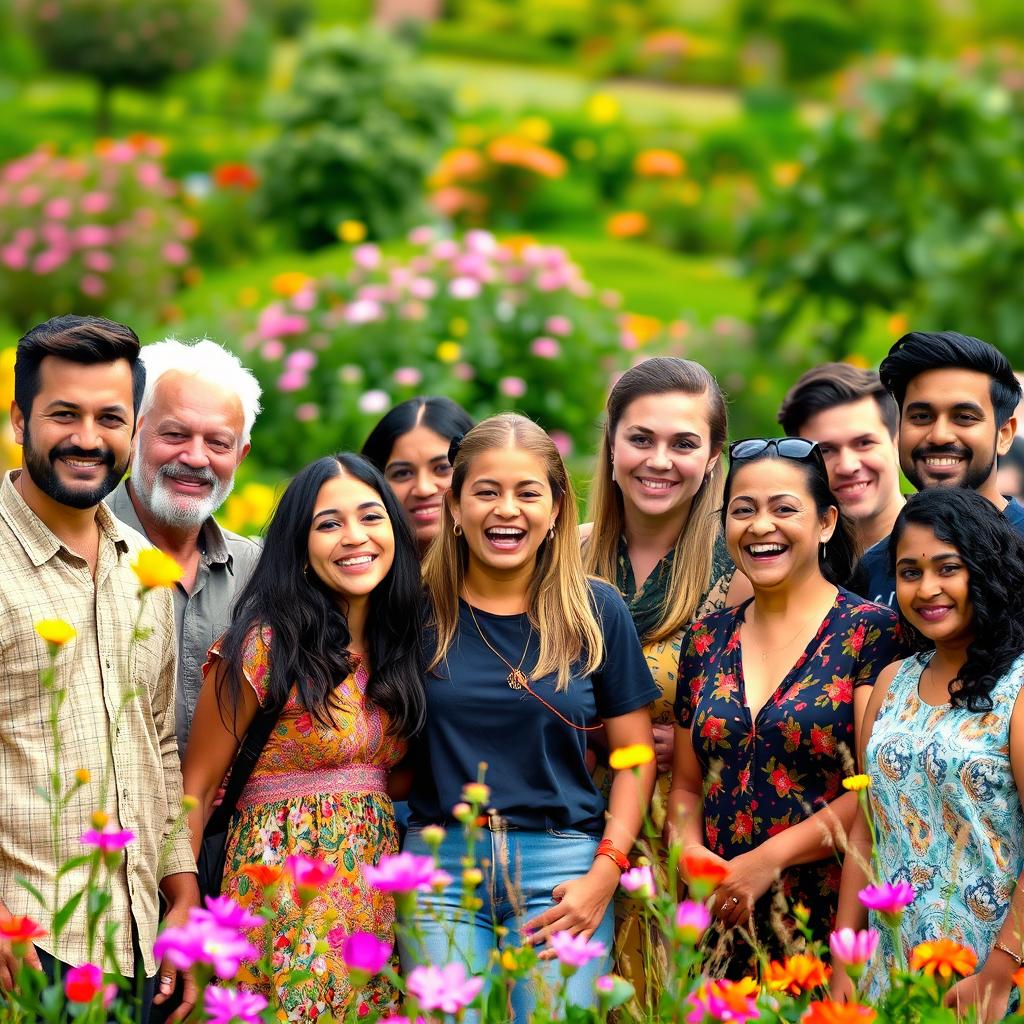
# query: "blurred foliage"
909,199
360,129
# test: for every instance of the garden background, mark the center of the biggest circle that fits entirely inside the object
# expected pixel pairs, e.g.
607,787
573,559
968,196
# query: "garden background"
508,201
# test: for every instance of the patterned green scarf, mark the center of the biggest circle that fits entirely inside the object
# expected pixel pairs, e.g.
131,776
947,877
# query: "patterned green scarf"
647,604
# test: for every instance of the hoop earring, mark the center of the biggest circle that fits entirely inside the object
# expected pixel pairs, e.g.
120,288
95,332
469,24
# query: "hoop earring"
457,529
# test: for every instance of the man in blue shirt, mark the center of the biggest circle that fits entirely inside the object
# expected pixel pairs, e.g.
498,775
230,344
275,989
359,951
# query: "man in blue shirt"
957,397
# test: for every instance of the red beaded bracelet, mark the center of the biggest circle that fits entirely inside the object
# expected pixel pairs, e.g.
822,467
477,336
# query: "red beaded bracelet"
606,849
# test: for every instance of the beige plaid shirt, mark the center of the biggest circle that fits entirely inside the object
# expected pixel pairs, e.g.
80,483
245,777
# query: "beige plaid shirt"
136,751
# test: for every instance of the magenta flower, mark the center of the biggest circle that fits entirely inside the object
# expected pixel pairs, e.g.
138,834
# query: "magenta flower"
292,380
692,920
852,947
403,872
886,898
308,872
225,913
560,325
83,984
443,988
300,361
364,953
638,882
232,1006
574,950
715,1000
110,840
274,322
545,348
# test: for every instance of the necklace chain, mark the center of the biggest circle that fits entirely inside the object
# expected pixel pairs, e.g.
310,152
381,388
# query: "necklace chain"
516,678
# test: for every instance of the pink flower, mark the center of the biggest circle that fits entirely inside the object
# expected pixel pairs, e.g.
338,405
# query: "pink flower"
403,872
692,920
200,942
292,380
309,872
443,988
512,387
407,376
366,256
224,912
853,947
307,412
440,880
716,1000
423,235
303,301
638,882
545,348
49,260
92,285
98,260
444,250
301,360
149,175
30,195
464,288
274,322
574,950
110,840
480,241
463,371
887,899
58,208
13,258
95,202
175,253
413,311
364,952
363,311
373,401
92,236
225,1005
273,349
563,442
560,325
83,984
422,288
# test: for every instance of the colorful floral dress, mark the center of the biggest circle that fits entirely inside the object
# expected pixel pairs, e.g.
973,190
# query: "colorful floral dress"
766,774
947,815
321,792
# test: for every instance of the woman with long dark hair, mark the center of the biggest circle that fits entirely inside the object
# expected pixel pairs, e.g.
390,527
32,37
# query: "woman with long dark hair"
410,447
770,696
944,747
326,633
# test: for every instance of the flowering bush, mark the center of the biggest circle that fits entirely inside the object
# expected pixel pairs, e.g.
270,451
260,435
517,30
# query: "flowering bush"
224,202
92,233
492,325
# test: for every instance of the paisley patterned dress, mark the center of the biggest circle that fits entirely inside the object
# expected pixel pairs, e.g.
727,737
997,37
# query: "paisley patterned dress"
320,792
768,773
947,815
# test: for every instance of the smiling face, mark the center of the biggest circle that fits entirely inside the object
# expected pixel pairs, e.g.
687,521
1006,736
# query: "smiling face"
77,439
188,448
661,453
860,455
351,541
505,510
419,473
932,587
772,526
948,434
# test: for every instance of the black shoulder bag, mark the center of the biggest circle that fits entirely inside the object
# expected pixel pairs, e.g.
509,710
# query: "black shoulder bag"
215,836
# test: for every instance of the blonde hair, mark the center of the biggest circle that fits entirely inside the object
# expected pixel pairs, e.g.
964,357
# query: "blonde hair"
695,545
560,604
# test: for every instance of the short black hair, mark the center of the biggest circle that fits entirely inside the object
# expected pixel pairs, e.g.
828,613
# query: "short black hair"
444,417
81,339
831,384
919,351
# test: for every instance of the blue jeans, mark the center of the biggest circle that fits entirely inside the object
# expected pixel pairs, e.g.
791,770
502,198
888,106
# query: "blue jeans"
520,869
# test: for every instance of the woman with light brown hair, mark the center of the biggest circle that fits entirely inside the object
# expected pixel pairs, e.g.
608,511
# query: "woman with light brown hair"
526,655
654,505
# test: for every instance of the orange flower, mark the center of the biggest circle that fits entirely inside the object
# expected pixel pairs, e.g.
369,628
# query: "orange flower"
1018,977
826,1012
19,929
797,974
517,152
659,163
787,174
240,176
943,957
627,224
263,875
698,867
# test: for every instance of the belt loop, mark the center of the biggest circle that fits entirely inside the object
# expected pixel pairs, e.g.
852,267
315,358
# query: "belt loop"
496,823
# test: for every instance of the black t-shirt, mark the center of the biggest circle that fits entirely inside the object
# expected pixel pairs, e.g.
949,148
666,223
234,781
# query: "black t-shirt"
536,762
874,581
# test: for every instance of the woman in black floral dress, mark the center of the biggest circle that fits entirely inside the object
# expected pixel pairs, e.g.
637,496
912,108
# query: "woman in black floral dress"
770,697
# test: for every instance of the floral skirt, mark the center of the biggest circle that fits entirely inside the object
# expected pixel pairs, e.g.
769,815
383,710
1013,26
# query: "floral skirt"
344,829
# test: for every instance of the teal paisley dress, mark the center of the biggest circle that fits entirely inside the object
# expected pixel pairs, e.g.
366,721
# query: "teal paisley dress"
947,815
767,774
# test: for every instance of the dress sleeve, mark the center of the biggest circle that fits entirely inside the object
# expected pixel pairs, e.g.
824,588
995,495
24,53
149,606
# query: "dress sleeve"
255,661
623,683
884,643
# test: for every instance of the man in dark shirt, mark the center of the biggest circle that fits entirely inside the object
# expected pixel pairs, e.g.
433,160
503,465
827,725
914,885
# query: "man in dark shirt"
957,397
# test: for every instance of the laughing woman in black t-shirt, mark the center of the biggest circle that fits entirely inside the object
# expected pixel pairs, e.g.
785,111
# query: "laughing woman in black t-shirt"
526,654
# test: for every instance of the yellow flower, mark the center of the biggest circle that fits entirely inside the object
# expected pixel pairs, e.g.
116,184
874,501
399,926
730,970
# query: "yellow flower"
100,819
856,783
476,793
632,756
351,231
83,775
602,108
55,631
290,283
536,129
787,174
449,352
472,877
155,569
856,359
689,193
189,803
508,960
248,296
433,835
897,325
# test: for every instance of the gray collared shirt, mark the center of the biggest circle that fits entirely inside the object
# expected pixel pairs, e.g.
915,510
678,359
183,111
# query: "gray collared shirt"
201,617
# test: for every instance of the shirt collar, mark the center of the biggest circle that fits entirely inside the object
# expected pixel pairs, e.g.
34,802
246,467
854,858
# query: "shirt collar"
38,540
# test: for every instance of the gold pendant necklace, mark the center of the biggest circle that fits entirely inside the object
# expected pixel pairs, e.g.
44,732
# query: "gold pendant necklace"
516,678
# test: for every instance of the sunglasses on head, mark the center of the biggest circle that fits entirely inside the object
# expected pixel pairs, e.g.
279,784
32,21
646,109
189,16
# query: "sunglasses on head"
798,448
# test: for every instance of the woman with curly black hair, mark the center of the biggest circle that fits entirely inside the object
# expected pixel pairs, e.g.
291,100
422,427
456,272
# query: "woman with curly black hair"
944,747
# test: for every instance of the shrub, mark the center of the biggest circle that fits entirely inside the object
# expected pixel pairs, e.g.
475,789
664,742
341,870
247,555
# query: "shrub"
224,205
92,233
360,131
494,326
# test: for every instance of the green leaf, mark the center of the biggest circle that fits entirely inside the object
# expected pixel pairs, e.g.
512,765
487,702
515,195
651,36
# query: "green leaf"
61,918
32,891
74,862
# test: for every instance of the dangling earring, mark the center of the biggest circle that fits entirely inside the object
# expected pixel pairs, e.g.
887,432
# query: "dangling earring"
551,532
824,551
613,470
457,529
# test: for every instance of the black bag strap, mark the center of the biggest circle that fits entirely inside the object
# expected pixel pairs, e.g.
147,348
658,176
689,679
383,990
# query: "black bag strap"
256,737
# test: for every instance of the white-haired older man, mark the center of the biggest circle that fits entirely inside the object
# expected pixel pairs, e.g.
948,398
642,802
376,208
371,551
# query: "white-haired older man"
194,424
